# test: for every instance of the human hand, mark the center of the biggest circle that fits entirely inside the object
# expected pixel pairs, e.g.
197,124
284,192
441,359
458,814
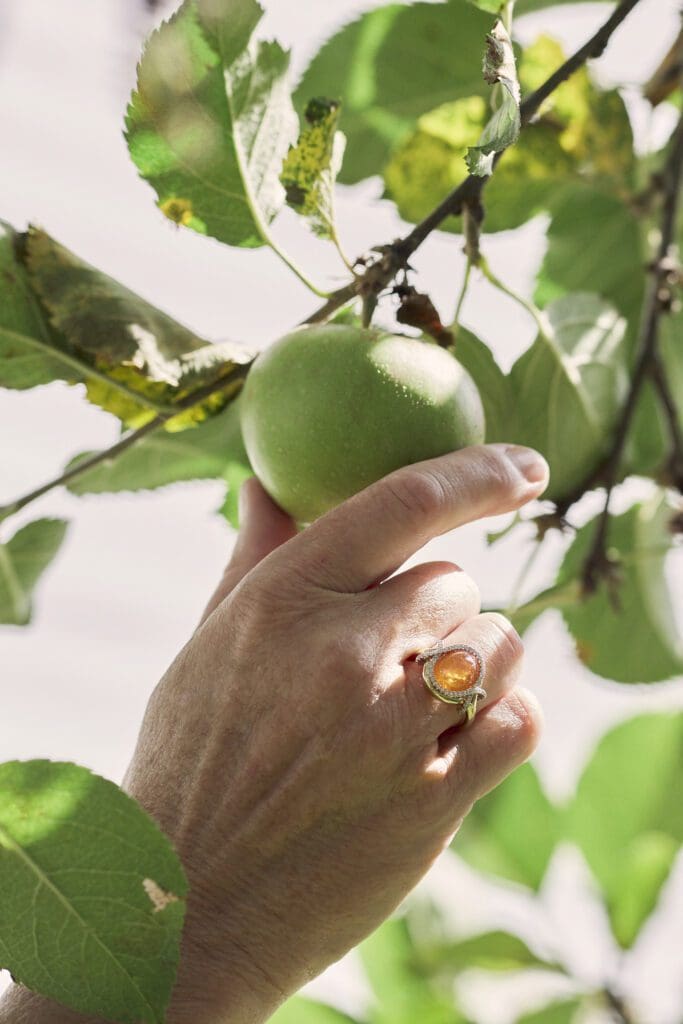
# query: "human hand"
292,752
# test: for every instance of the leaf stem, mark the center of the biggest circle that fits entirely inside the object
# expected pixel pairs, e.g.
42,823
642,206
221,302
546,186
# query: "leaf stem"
657,302
394,257
461,297
127,441
531,309
522,578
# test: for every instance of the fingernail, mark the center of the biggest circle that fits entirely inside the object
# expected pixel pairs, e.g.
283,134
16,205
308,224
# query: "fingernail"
530,464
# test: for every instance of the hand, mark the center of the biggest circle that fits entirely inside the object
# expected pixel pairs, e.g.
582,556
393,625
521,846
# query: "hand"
292,752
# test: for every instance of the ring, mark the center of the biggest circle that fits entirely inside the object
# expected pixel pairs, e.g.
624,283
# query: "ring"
453,673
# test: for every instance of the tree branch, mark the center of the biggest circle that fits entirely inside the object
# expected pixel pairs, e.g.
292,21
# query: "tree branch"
394,257
658,301
127,441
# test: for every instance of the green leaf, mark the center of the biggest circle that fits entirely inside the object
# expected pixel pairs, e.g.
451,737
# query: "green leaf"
403,992
671,351
503,127
234,474
201,452
92,893
27,342
389,67
491,951
564,1012
569,387
311,167
305,1011
638,641
648,441
212,119
493,386
627,816
491,840
594,244
23,560
492,6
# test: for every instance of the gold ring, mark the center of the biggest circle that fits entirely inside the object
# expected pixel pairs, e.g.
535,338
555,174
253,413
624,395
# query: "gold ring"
453,673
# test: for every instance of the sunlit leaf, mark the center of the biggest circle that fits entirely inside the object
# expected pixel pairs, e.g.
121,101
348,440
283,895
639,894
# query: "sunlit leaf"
311,167
490,951
637,641
496,395
569,387
403,992
23,560
212,119
392,65
491,840
627,816
503,126
202,452
91,905
299,1010
234,474
564,1012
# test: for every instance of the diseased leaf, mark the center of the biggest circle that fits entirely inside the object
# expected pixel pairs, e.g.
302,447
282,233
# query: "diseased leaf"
638,642
212,119
627,816
569,387
92,893
136,361
311,167
493,386
502,128
205,451
30,352
389,67
23,560
490,951
491,840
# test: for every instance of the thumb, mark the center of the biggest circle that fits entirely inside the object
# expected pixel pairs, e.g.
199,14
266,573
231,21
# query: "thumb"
263,527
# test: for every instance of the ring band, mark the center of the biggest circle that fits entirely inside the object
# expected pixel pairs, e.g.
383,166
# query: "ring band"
453,674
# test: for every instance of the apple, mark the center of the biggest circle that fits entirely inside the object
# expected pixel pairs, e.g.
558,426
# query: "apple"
327,410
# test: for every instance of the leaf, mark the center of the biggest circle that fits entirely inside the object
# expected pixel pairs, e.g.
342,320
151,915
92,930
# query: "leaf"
627,815
389,67
204,451
564,1012
92,893
491,840
638,642
569,387
594,244
403,992
234,475
311,167
212,119
136,360
491,951
503,127
671,351
26,339
492,384
23,560
305,1011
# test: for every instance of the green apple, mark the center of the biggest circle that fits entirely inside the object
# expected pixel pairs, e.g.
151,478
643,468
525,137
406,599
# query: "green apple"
327,410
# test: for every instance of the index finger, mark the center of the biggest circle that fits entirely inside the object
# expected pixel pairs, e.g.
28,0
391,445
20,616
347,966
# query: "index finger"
367,537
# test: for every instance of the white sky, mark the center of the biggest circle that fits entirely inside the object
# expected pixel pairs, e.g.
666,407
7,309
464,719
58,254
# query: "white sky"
133,575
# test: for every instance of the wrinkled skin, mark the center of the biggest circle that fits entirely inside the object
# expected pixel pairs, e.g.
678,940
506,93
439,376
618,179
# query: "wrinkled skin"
292,752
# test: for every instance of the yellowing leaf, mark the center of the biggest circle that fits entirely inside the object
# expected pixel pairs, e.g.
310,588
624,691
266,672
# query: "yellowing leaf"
311,167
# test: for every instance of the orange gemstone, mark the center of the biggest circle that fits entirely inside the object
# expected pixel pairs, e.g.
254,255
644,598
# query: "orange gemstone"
456,670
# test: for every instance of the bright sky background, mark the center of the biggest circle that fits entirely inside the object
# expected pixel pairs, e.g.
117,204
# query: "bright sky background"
134,573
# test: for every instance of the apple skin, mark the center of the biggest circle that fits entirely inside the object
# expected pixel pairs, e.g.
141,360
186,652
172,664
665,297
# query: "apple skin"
327,410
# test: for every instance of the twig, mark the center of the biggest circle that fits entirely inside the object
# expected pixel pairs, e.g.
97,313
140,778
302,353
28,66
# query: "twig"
395,257
127,441
657,302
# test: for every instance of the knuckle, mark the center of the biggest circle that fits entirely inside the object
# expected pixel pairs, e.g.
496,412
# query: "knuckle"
526,718
509,642
495,466
417,493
